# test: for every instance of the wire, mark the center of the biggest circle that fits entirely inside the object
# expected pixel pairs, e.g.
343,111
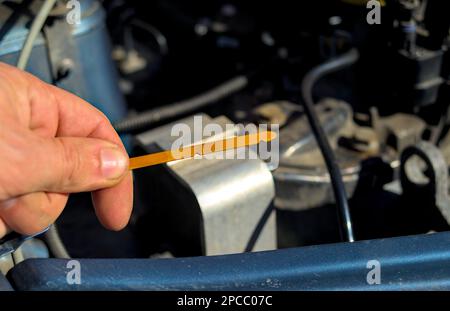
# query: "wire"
35,29
150,117
308,82
55,244
159,37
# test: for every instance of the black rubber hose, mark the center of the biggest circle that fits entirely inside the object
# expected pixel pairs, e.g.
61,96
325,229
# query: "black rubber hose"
337,182
150,117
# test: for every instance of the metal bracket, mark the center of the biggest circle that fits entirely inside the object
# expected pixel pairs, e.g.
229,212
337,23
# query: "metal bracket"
62,52
435,183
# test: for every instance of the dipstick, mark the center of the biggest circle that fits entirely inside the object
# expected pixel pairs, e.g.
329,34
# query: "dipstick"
201,149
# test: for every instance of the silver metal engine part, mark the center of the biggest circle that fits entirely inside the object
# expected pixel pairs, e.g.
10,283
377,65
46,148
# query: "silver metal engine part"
302,180
226,204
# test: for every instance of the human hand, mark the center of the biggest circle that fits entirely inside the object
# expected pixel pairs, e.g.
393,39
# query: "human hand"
53,143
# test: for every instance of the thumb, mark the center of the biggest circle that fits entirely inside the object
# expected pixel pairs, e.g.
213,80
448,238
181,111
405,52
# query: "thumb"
67,164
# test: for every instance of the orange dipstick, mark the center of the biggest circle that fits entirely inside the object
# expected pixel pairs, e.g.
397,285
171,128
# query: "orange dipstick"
201,149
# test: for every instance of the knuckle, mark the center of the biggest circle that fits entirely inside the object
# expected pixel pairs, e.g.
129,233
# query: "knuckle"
70,163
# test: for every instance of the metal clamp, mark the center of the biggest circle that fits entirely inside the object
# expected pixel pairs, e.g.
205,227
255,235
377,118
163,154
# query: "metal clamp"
434,183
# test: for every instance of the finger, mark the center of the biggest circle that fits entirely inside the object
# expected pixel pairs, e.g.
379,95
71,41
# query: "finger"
76,118
33,212
113,206
71,164
4,229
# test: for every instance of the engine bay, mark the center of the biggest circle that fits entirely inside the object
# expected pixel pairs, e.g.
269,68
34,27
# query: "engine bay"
368,162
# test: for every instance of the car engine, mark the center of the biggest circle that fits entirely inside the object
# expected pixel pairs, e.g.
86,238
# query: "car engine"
358,91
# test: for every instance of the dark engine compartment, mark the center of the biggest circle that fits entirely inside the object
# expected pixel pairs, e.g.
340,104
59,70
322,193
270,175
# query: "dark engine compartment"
385,115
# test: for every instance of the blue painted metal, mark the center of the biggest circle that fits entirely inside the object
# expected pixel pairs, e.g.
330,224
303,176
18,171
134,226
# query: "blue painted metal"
407,263
4,284
98,83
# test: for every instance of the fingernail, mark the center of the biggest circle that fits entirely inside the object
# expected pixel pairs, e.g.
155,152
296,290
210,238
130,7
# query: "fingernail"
114,163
